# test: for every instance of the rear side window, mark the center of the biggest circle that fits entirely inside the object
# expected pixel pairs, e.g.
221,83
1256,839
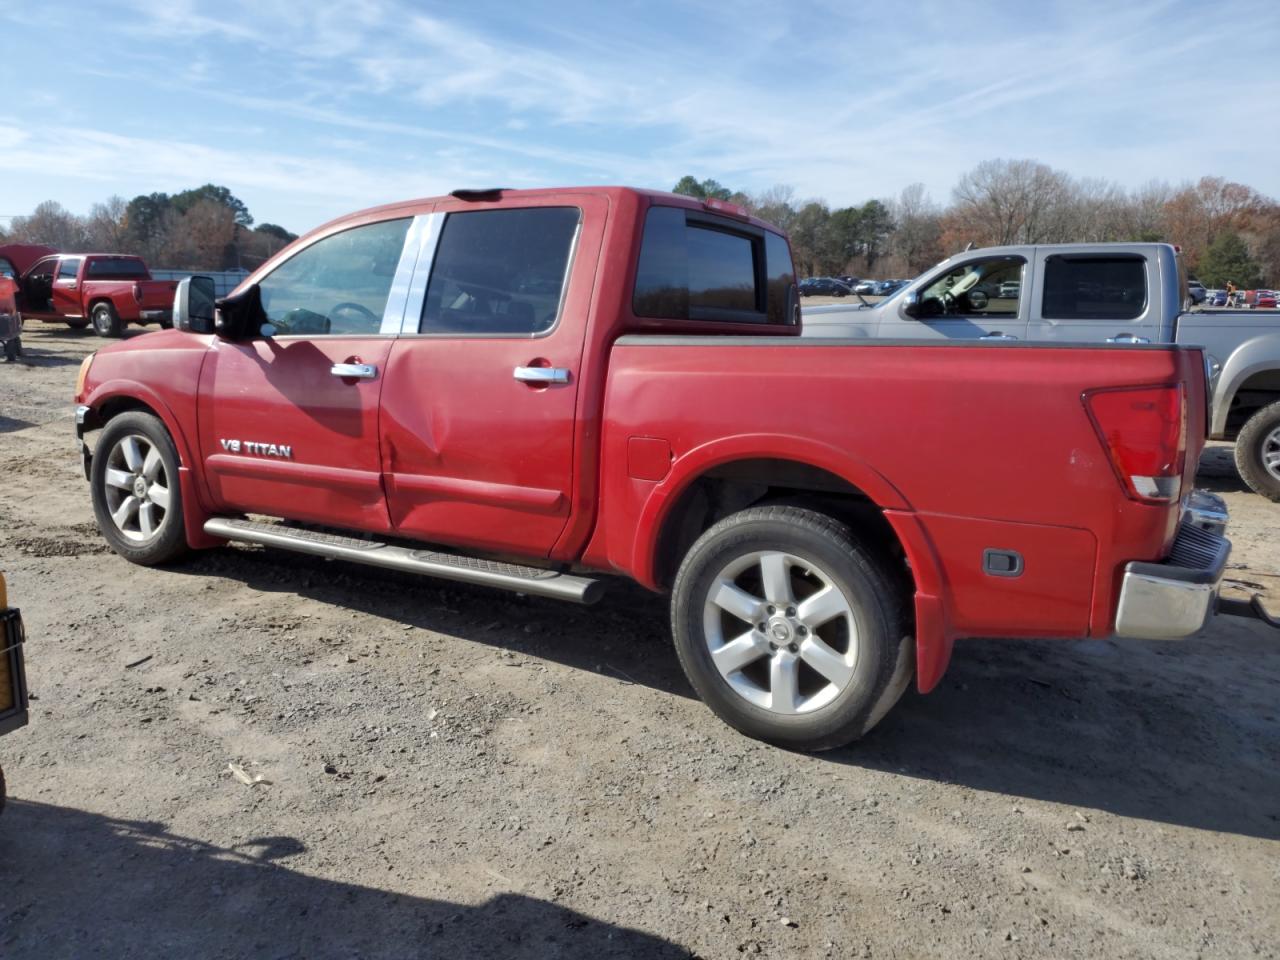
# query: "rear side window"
1094,288
500,272
694,267
67,269
117,269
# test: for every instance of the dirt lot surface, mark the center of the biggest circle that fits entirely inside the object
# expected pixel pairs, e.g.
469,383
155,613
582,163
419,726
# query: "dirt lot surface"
454,772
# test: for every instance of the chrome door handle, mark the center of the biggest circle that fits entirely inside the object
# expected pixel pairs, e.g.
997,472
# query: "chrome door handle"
1128,338
997,335
354,371
541,374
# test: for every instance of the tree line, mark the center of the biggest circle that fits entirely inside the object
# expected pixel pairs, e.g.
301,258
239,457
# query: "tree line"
205,228
1227,231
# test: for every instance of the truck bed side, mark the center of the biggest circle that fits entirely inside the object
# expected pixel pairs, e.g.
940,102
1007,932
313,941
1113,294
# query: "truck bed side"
923,431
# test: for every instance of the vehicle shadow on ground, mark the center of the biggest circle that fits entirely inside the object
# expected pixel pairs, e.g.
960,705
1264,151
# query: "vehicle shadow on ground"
629,630
9,424
1140,729
35,357
81,884
1119,726
1217,471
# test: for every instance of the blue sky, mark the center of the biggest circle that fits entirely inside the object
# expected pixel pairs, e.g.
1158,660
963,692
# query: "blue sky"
309,110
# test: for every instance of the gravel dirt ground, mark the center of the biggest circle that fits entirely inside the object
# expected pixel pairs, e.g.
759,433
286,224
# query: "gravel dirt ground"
453,772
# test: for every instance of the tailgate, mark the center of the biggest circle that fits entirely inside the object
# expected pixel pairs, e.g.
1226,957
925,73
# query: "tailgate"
158,293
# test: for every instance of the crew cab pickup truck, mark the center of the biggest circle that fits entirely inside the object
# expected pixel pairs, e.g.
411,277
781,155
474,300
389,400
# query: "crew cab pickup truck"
1133,293
538,390
109,290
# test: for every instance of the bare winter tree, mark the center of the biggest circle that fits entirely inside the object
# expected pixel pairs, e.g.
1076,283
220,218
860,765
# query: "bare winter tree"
917,239
105,228
1012,201
49,224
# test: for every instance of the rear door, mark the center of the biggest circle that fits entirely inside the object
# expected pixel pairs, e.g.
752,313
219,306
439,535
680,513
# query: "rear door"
478,413
288,423
66,288
1096,297
983,297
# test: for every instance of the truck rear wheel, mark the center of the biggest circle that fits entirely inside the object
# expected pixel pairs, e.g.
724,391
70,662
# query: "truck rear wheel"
1258,452
12,349
790,630
106,322
137,499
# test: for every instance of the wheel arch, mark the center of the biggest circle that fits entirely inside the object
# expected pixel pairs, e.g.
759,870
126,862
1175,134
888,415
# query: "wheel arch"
113,398
712,481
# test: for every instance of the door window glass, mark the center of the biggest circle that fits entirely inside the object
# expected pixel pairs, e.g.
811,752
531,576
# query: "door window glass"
500,272
67,269
977,288
338,285
117,268
1094,288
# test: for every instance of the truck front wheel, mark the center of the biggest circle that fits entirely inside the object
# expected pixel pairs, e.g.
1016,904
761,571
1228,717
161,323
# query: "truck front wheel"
106,322
789,629
1258,452
137,499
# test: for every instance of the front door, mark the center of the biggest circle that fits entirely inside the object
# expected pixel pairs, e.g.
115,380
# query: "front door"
289,422
37,289
478,413
976,299
66,289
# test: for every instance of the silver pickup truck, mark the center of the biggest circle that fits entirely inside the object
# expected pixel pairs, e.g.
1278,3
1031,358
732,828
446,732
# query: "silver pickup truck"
1117,292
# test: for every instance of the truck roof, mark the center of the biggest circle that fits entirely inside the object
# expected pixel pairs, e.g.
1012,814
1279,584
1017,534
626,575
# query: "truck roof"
499,194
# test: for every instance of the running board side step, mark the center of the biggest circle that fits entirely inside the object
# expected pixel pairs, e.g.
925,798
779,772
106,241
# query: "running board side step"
489,573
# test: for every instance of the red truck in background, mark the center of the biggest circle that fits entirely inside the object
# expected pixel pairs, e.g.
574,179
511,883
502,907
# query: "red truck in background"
108,290
536,390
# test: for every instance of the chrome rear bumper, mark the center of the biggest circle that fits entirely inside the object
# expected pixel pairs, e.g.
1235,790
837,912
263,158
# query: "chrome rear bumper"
1174,598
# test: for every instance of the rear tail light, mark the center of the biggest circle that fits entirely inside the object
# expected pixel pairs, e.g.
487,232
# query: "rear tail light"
1145,431
137,292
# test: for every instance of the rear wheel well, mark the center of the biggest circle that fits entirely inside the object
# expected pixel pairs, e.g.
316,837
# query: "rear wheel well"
732,487
1260,390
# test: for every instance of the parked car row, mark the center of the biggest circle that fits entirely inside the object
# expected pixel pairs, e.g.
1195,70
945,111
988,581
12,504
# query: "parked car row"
1244,299
847,286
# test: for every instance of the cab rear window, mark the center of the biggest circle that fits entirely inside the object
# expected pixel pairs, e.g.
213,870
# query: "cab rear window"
696,267
122,268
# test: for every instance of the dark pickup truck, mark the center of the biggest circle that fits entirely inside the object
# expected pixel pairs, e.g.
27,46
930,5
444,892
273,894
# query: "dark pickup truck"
109,290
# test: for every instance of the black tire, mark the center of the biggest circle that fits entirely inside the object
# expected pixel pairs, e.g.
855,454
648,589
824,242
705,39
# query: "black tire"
885,649
106,322
12,349
168,541
77,324
1259,439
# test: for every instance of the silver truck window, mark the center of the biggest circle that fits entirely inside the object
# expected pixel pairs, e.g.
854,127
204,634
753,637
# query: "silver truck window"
500,272
337,286
990,287
1094,288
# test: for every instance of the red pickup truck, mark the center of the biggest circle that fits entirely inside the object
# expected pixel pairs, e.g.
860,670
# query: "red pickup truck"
535,390
109,290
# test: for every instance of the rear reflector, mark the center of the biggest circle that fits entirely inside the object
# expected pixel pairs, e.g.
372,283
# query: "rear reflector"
1145,432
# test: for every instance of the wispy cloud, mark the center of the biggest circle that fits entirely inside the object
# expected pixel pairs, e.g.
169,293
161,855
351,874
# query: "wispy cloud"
353,101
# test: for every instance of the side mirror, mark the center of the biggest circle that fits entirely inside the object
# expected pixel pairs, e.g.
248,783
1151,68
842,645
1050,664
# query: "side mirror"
241,317
911,305
193,305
